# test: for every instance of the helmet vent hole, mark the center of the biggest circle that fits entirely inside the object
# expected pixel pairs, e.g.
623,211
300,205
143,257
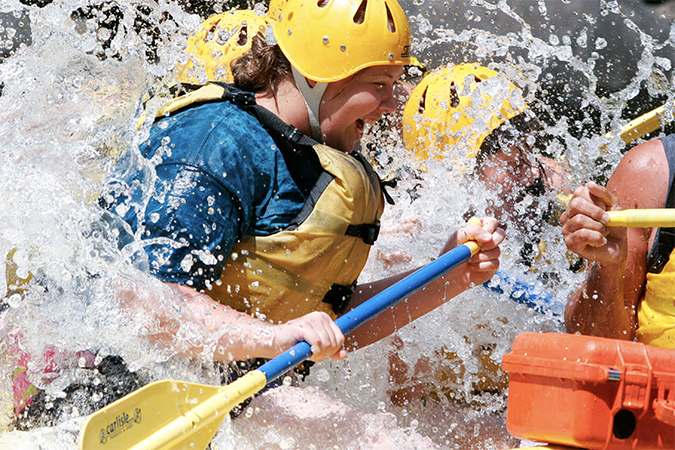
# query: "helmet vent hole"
423,101
243,35
478,80
454,96
390,20
360,15
322,3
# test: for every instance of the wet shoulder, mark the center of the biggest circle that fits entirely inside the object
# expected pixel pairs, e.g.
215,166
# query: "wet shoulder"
208,135
641,180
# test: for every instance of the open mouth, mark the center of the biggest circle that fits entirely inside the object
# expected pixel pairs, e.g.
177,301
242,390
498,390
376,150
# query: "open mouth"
360,125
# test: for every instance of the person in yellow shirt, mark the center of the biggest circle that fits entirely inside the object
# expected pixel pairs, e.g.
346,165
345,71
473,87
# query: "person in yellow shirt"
629,288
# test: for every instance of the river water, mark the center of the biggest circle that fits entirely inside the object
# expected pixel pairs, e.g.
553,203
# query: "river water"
72,76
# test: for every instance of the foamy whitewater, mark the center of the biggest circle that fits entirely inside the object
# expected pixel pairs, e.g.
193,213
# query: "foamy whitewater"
73,74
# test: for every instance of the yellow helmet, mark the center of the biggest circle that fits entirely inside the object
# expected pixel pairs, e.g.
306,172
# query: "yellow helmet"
454,106
223,38
329,40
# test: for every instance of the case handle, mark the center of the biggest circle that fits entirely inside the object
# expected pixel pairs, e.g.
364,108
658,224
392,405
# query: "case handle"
590,373
664,410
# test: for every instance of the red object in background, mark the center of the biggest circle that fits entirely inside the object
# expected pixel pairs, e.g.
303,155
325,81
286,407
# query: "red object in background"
590,392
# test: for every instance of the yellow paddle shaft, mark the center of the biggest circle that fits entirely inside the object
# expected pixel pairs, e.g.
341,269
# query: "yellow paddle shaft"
642,218
473,247
641,126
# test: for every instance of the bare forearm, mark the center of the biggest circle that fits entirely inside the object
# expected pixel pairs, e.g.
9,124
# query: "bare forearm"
243,337
192,324
189,323
240,336
406,311
599,307
478,269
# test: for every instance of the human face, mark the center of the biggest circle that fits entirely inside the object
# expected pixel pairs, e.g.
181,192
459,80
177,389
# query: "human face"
511,175
349,104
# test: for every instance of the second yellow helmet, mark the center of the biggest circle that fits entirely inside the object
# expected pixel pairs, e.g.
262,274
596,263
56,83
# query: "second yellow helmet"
457,105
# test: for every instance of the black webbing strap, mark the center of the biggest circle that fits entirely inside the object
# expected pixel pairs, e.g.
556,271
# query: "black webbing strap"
374,176
270,121
297,148
303,145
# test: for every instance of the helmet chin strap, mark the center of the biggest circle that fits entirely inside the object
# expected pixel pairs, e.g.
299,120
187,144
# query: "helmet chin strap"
312,97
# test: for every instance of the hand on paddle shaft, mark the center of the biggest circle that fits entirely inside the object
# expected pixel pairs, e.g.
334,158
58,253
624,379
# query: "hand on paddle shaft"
585,226
597,232
487,234
318,330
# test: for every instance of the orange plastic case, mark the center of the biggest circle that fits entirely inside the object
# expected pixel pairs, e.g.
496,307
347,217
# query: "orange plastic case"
589,392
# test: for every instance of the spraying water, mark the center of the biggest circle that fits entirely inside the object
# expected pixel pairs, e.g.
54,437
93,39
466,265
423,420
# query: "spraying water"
72,78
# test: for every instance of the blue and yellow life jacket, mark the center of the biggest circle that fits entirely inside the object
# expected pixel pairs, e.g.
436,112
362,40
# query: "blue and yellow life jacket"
313,263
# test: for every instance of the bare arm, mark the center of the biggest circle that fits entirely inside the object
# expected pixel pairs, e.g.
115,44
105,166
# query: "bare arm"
606,303
480,268
239,336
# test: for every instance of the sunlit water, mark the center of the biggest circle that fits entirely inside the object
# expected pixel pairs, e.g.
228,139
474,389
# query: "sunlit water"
70,99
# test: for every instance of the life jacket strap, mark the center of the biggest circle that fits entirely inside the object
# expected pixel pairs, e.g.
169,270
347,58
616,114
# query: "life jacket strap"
371,173
339,297
366,231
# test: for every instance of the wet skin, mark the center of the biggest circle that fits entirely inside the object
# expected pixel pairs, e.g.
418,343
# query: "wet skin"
347,105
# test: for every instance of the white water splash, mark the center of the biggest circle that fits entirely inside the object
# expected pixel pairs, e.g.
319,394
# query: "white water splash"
71,97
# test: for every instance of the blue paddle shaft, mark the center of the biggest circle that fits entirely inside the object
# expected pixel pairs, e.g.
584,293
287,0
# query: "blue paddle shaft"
529,293
372,307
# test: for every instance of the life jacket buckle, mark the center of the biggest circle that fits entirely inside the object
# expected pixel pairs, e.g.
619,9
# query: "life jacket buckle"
339,297
369,232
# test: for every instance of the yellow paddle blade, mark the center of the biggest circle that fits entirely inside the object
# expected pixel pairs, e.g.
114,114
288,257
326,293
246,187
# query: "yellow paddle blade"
642,218
167,415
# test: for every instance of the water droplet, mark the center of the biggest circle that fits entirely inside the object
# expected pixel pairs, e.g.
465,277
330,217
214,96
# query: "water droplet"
14,300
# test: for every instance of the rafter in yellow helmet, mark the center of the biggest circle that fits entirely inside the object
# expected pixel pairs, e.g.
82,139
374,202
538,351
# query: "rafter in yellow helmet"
455,106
